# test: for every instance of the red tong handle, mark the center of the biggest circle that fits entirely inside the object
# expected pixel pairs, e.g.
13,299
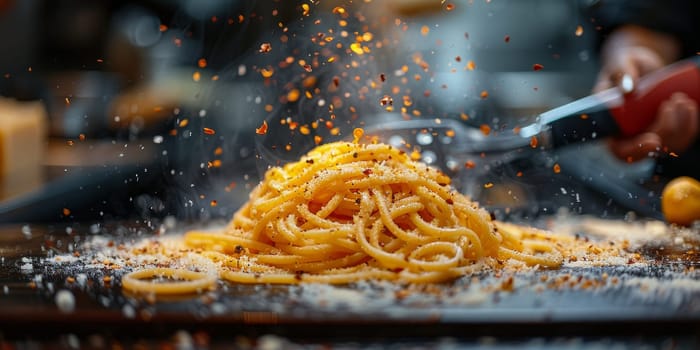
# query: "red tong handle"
639,108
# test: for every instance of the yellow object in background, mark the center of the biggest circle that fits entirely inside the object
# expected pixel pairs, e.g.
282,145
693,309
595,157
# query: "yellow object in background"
23,129
680,201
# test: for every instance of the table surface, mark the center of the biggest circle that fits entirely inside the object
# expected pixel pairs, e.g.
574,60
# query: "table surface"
653,300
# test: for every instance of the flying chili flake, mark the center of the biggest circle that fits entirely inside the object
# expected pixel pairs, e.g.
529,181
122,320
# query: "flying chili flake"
293,95
162,28
386,101
470,164
357,48
66,212
202,63
537,67
318,139
485,129
449,7
579,30
424,30
506,38
484,94
209,131
265,48
307,67
230,186
262,130
213,203
267,72
357,134
533,142
556,168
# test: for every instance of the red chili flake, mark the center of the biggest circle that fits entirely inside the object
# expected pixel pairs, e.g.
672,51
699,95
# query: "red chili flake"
458,59
367,172
336,81
230,186
519,174
449,7
382,77
262,130
484,94
202,63
506,38
162,27
307,67
386,101
556,168
469,164
66,211
485,129
533,142
537,67
209,131
265,47
584,116
213,203
471,65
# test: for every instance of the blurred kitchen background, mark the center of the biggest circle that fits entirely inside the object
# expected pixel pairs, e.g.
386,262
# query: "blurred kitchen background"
150,107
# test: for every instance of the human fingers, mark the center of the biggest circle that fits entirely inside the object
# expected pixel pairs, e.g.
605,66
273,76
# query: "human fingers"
677,123
625,66
635,148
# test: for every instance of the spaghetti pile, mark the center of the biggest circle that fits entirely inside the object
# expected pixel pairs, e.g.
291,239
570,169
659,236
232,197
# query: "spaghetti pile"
348,211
